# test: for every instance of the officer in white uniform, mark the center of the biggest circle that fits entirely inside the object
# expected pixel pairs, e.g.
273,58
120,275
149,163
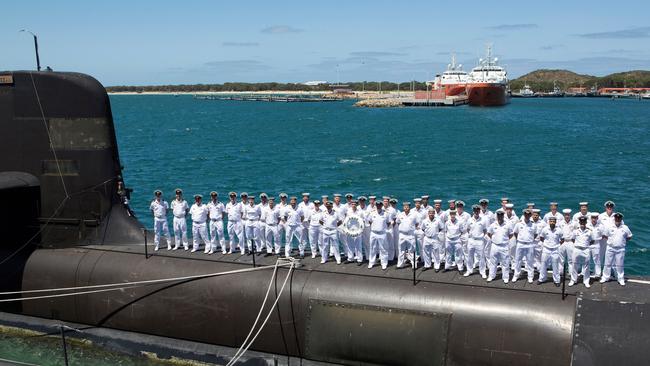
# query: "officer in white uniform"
292,218
200,214
584,212
617,237
264,204
566,249
313,218
551,238
365,236
234,211
159,209
594,248
454,228
607,220
553,213
537,248
407,222
391,240
395,229
511,218
180,209
500,233
476,229
489,216
531,207
306,207
252,215
526,232
282,206
217,209
463,217
582,238
272,220
354,243
330,222
432,249
380,223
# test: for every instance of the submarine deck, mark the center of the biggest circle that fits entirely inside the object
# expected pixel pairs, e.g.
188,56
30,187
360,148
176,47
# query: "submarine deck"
637,289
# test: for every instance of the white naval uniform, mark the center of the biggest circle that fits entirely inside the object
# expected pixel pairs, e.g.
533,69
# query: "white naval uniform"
235,227
271,221
526,233
500,249
453,232
599,233
282,226
262,223
159,209
217,210
179,224
329,230
304,233
477,228
512,221
577,216
313,218
551,241
490,217
581,253
199,215
607,221
407,225
422,214
464,218
566,249
354,244
252,215
558,216
537,248
391,239
379,224
617,237
293,226
432,248
365,236
340,211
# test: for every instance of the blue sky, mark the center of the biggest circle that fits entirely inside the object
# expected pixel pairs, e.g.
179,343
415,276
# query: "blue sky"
172,42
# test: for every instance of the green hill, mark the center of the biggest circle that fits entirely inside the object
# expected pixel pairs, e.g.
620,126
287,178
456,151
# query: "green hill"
542,80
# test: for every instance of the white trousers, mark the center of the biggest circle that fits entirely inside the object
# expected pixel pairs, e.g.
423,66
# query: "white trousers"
378,246
199,233
537,254
216,235
292,231
432,251
525,251
353,248
314,239
614,258
262,233
252,233
304,234
595,256
180,232
500,256
272,239
406,243
476,255
580,258
454,248
366,241
550,258
160,226
236,229
566,255
329,242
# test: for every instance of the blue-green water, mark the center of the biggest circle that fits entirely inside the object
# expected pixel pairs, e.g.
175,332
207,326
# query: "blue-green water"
568,150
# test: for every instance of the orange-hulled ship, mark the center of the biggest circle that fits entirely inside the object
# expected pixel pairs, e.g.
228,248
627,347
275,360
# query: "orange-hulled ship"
453,81
488,83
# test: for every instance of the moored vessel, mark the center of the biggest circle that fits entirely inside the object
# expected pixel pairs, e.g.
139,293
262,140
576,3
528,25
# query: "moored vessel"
452,81
488,83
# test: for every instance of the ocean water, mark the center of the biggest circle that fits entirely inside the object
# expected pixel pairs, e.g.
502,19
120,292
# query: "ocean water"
532,150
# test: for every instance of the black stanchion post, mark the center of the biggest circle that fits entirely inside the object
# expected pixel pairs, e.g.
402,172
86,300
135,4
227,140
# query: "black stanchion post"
65,350
415,249
146,253
564,278
253,250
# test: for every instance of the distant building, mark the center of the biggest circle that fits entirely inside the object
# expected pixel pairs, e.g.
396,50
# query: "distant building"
314,83
341,89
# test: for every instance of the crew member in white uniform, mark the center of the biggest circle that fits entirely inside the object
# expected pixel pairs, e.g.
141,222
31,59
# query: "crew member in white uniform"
272,220
252,215
234,212
159,209
380,223
395,229
282,206
313,218
511,218
407,222
306,207
463,217
354,243
500,233
487,215
584,212
537,248
330,222
422,213
365,236
454,229
200,214
599,233
390,233
553,213
217,209
531,207
292,218
432,249
566,249
607,220
476,230
582,238
551,238
617,237
180,209
526,232
264,204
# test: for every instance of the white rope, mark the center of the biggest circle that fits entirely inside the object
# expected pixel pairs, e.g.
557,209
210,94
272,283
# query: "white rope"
112,286
235,359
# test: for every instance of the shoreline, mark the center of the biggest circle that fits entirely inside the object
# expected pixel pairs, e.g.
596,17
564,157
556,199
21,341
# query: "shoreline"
359,94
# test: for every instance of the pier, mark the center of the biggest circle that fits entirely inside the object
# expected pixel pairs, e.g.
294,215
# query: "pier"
268,98
413,102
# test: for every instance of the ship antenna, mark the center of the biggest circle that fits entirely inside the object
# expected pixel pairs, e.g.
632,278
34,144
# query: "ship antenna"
38,60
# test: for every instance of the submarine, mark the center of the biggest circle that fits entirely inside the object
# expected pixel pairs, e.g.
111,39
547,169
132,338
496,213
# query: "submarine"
68,230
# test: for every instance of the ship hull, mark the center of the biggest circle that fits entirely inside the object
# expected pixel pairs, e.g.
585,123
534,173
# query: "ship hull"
487,95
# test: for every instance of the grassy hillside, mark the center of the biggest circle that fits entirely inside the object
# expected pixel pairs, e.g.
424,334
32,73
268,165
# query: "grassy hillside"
542,80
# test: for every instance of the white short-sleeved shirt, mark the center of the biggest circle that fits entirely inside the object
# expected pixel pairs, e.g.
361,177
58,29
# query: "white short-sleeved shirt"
314,217
552,238
526,231
407,223
199,213
582,238
293,217
477,227
271,215
540,224
558,216
159,208
500,232
432,228
598,231
216,210
252,213
379,221
577,216
454,229
567,229
617,236
488,216
234,211
179,208
330,220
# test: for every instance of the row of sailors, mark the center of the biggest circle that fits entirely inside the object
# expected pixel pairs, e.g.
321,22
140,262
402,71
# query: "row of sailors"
485,239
